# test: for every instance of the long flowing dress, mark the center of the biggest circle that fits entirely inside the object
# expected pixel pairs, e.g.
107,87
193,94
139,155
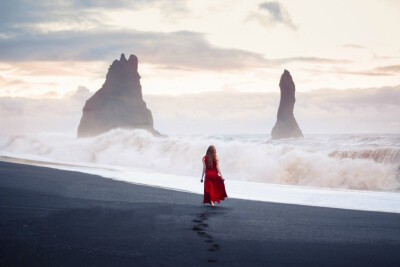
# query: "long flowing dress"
214,187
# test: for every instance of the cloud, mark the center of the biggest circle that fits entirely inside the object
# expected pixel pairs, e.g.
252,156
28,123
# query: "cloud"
392,3
395,69
354,46
389,70
167,7
272,13
29,116
81,94
180,49
317,60
174,50
372,72
375,56
367,110
18,15
351,99
9,82
22,39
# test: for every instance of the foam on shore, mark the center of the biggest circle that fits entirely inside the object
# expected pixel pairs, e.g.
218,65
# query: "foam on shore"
335,161
323,197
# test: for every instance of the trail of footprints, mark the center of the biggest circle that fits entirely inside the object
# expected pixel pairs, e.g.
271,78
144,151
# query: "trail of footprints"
200,228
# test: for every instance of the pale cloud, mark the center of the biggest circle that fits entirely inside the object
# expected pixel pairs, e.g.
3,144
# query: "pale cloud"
174,50
4,82
390,70
351,99
375,56
316,60
353,46
47,114
394,69
81,94
197,39
49,78
271,13
180,49
368,110
18,15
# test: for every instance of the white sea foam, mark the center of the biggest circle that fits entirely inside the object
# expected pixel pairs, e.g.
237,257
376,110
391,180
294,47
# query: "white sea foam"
311,196
343,161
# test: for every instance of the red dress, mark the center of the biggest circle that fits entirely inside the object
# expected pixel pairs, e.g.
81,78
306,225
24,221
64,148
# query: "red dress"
214,187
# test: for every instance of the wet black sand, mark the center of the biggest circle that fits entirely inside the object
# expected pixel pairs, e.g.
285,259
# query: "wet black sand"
50,217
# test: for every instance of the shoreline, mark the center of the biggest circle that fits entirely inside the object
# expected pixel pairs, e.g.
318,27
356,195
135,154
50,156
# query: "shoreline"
377,201
55,217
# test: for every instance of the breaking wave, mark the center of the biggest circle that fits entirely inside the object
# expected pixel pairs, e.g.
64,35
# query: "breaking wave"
319,162
381,155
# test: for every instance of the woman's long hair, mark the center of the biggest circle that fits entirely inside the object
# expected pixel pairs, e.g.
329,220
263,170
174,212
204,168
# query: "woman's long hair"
211,157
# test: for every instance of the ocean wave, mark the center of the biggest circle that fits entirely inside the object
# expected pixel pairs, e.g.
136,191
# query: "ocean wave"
381,155
299,162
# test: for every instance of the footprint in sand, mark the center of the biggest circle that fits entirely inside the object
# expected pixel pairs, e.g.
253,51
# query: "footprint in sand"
200,228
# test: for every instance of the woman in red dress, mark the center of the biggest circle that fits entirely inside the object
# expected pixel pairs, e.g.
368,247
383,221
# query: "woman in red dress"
214,188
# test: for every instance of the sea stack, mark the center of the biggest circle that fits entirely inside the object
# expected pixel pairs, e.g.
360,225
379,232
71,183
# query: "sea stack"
286,125
118,103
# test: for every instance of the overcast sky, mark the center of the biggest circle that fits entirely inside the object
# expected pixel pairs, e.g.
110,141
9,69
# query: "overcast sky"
196,50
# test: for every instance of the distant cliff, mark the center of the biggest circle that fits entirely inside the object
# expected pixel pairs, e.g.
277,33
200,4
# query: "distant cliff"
119,102
286,125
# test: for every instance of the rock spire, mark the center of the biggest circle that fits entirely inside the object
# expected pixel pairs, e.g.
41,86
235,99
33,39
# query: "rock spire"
118,103
286,125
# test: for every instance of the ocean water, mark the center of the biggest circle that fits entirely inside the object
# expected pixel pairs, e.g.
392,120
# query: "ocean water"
356,162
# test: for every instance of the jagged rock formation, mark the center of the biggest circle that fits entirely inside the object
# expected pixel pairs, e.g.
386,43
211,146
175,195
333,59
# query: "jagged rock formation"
286,125
119,102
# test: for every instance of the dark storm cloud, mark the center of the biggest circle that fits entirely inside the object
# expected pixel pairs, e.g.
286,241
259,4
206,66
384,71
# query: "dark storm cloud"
272,13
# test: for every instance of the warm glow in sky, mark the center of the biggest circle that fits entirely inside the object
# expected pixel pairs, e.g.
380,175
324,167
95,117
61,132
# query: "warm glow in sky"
50,48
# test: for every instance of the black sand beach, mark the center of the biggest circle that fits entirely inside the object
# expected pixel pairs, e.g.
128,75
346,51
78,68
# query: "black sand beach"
58,218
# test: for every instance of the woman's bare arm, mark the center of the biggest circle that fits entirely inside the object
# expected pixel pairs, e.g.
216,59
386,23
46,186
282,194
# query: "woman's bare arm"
204,170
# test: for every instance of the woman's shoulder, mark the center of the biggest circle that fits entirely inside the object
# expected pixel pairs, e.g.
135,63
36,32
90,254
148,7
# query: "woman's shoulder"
204,158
